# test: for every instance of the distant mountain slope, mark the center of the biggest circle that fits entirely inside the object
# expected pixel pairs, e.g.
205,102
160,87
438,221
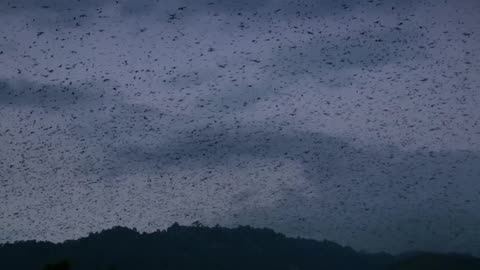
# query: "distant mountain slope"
196,247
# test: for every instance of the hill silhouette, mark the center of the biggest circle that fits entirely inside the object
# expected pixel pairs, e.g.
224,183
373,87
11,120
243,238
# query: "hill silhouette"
199,247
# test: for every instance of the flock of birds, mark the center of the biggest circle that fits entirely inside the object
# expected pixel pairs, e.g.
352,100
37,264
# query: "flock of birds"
352,121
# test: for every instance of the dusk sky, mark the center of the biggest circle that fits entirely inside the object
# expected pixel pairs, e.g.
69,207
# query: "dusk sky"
352,121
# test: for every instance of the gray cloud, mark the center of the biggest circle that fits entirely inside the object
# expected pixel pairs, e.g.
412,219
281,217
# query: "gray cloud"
24,92
70,13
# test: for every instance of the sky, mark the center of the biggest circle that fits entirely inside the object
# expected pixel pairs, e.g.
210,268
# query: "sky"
352,121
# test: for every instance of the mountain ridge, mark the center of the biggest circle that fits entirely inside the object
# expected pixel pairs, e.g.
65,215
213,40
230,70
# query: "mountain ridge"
201,247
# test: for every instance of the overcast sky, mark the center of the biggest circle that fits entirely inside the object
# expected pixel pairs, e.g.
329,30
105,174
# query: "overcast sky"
353,121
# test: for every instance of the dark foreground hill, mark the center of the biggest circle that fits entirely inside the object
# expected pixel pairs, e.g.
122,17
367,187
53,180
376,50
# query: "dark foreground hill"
198,247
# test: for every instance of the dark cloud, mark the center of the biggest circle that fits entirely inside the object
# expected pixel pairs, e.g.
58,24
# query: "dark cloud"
50,5
29,93
263,10
360,48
